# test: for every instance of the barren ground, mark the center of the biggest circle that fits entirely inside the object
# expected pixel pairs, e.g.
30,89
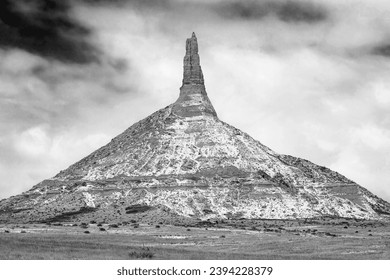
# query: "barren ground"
232,239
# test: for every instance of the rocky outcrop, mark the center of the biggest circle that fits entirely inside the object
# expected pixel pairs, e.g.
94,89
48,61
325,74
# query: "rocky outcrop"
192,74
182,161
193,100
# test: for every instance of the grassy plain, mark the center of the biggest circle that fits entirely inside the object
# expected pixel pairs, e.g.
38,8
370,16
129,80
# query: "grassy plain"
261,239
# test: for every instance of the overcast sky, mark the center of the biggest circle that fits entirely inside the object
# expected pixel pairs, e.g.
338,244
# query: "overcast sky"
305,78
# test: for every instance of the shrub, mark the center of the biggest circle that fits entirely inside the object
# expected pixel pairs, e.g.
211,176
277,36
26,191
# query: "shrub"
222,236
144,253
84,225
6,231
87,232
157,226
102,229
23,231
113,226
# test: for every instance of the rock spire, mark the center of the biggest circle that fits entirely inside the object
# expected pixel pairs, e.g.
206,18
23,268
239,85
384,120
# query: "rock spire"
193,100
192,70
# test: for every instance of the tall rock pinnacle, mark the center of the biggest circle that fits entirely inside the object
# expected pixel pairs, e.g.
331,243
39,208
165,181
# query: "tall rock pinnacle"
192,70
193,100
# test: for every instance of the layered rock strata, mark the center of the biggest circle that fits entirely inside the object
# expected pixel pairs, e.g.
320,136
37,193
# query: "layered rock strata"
182,162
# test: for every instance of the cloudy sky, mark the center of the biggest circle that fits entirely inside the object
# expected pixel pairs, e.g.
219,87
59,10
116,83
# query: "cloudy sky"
306,78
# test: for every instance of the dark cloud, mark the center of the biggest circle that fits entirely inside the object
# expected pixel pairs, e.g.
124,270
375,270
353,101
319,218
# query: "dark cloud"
155,4
287,11
383,50
301,12
48,29
45,28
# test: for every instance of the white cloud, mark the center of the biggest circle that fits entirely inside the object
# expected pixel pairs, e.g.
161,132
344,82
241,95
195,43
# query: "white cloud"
373,137
33,142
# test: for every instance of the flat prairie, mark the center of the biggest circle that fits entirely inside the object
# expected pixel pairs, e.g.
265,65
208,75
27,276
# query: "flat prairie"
226,239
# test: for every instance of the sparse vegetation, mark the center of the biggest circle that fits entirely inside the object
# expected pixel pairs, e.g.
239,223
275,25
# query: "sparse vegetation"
143,253
113,226
331,236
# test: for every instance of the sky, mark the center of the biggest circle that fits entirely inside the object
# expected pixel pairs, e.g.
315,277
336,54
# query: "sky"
305,78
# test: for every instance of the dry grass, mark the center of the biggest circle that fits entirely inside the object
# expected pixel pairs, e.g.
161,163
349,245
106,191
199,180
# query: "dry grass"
266,240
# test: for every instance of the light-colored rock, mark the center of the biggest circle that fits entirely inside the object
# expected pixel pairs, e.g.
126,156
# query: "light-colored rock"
182,161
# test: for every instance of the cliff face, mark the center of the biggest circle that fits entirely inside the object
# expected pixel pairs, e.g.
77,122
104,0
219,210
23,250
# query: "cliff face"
183,162
193,100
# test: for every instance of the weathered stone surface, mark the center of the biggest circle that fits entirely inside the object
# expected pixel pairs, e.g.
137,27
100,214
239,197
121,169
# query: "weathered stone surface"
192,74
193,100
182,161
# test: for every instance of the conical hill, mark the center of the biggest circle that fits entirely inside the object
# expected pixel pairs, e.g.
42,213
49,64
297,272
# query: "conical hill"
182,162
